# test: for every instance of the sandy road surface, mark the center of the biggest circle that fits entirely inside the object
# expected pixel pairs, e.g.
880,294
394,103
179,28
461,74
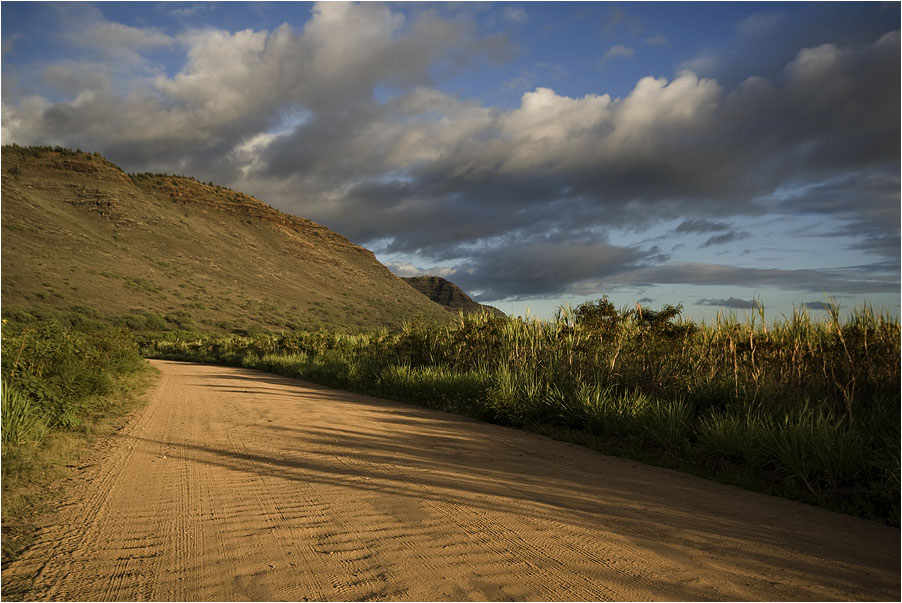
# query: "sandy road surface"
237,485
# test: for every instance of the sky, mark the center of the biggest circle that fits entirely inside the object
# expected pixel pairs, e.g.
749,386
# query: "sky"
536,154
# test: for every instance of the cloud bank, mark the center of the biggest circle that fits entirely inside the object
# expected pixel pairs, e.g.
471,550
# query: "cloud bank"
343,121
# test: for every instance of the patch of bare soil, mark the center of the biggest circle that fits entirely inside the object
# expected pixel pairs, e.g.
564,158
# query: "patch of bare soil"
237,485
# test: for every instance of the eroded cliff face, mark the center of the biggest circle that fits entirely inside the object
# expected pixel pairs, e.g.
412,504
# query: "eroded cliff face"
447,294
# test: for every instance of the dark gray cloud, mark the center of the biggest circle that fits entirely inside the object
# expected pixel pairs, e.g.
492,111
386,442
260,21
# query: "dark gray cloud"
885,245
537,268
816,305
719,156
770,38
732,302
701,225
551,267
727,237
866,202
849,280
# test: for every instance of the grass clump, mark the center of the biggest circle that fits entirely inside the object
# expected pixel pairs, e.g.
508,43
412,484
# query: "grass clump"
22,421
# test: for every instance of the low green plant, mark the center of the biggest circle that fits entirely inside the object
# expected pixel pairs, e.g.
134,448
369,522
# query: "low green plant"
668,423
732,434
22,421
811,445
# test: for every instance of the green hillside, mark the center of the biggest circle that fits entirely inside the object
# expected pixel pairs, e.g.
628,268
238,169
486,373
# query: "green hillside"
151,251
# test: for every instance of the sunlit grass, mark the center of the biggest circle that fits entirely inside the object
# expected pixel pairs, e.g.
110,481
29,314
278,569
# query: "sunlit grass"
22,421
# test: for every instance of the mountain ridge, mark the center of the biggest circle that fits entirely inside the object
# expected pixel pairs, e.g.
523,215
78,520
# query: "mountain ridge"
448,295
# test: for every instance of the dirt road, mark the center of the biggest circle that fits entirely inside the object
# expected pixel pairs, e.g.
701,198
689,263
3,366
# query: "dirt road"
237,485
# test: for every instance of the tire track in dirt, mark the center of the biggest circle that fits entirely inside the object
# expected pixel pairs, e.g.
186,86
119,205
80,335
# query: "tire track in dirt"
353,565
502,540
236,485
82,516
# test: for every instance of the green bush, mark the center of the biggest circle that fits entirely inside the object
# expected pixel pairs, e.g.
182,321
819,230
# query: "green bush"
817,449
732,434
54,379
59,371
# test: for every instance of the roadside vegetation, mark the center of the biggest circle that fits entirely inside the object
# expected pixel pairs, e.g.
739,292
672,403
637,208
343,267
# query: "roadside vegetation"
60,386
805,409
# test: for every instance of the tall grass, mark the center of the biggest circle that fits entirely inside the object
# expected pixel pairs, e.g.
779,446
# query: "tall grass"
22,420
800,407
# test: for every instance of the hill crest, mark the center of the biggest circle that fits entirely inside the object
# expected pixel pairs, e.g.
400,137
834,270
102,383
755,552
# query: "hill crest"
172,252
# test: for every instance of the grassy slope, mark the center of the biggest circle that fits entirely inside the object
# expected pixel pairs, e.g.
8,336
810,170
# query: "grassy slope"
77,231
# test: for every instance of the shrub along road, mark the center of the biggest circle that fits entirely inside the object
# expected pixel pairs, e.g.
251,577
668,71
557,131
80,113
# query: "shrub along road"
233,484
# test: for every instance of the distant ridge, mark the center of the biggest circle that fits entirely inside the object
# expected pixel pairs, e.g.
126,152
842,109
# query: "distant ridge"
448,295
155,251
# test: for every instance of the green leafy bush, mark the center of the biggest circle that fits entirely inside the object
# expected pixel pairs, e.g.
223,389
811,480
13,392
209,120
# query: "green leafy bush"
60,372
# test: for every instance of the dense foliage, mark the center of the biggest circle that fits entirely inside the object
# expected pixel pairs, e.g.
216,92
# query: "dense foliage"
54,376
802,408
